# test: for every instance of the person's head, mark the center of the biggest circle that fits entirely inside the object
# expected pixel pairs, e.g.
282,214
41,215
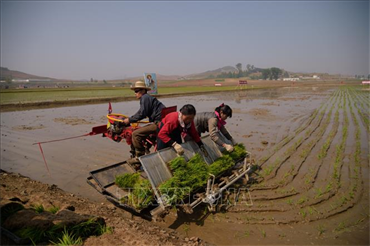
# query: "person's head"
224,111
139,93
187,113
140,89
149,76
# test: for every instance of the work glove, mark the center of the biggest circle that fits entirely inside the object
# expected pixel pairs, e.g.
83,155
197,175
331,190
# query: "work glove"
228,147
179,149
203,149
233,142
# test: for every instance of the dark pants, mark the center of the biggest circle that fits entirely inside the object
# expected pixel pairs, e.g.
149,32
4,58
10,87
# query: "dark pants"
139,136
175,135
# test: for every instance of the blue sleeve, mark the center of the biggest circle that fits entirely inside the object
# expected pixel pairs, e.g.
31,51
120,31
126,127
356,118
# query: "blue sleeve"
143,111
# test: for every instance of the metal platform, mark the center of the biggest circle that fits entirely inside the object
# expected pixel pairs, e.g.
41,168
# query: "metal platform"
103,180
156,170
156,167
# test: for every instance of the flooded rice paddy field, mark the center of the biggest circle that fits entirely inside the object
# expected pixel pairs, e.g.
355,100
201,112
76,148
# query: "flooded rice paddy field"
311,144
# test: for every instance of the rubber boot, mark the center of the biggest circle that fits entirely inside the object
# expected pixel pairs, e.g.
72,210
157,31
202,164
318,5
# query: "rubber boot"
134,162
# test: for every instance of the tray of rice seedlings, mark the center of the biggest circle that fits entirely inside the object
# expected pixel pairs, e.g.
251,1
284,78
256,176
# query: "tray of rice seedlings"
167,180
140,193
191,176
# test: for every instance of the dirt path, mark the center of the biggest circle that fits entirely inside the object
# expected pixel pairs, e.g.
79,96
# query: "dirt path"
127,229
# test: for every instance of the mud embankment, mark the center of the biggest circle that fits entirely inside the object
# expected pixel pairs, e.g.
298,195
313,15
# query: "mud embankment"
126,229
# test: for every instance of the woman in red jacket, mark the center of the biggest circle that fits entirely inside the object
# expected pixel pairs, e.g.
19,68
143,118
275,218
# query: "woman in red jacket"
173,125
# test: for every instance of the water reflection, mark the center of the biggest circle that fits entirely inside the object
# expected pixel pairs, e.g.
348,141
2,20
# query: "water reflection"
250,95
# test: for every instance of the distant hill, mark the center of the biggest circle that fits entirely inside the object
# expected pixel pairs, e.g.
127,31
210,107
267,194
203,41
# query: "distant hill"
160,77
202,75
215,72
6,73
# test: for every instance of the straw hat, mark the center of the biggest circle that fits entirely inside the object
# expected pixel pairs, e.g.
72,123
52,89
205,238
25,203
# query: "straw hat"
140,85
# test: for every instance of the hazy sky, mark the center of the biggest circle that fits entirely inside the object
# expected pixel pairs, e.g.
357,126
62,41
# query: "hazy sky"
116,39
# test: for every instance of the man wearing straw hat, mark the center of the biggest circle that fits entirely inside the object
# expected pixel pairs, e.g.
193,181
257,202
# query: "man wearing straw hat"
150,107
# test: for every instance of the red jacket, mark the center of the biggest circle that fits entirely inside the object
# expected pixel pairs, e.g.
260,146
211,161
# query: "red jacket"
170,123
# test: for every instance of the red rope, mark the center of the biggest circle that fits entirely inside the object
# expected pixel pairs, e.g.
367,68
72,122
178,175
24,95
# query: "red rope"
46,165
57,140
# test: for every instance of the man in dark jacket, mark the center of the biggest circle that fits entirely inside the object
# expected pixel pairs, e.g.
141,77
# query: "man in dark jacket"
150,107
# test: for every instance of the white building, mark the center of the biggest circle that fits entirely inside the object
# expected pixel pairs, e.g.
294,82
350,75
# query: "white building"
20,80
290,79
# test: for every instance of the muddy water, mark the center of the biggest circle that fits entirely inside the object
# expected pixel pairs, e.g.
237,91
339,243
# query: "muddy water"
261,118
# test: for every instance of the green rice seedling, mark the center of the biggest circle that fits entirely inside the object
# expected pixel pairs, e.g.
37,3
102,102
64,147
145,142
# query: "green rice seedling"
187,176
343,200
55,232
282,191
341,226
53,209
329,187
360,220
308,132
127,180
304,153
263,232
292,190
321,229
222,164
355,170
186,229
140,195
302,200
90,227
85,228
324,148
310,210
61,235
303,213
351,194
68,238
238,153
268,170
290,201
35,234
246,233
39,208
102,229
319,193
